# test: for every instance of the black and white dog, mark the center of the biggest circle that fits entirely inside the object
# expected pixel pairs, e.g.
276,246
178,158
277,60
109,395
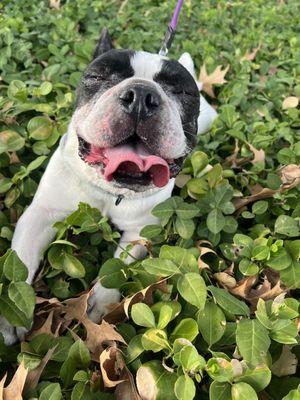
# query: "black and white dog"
135,122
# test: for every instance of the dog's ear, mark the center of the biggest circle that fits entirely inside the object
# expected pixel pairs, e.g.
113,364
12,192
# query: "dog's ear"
104,44
188,63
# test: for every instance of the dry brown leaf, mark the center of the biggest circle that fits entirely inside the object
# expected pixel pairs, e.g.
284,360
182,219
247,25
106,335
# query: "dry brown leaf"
34,375
54,4
251,56
225,280
121,311
290,102
45,328
111,365
263,194
203,251
76,308
217,77
259,155
14,390
96,335
2,386
265,292
127,389
243,287
290,174
286,363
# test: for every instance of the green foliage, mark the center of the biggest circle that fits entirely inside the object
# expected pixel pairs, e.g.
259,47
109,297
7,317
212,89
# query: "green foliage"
202,332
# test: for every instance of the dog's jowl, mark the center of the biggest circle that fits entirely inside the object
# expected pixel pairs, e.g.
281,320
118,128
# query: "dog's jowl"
135,121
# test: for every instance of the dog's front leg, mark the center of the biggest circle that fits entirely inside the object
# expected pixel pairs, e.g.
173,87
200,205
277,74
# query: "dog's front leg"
101,297
32,235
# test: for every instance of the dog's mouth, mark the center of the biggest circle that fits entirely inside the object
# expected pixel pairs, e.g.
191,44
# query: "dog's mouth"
129,163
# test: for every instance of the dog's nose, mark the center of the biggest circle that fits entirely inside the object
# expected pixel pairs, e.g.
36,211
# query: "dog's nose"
140,101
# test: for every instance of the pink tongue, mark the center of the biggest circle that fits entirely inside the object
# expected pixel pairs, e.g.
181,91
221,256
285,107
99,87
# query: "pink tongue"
156,166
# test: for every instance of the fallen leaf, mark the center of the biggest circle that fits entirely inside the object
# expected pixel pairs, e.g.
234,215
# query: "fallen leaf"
120,312
111,365
290,102
290,174
225,280
286,363
243,287
259,155
2,386
14,390
54,4
76,308
263,194
265,292
97,335
127,390
251,56
217,77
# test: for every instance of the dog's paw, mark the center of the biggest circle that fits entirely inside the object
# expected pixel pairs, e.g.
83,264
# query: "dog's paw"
99,301
10,333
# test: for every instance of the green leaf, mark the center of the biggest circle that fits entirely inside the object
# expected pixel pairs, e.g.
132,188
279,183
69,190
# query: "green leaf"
243,391
165,312
293,395
134,349
142,315
186,329
259,377
185,388
72,266
215,221
185,227
184,260
253,341
14,269
260,253
287,226
228,302
284,331
10,141
187,211
291,276
51,392
260,207
39,128
112,273
151,231
160,267
220,369
78,358
192,288
155,340
220,391
262,315
12,313
212,323
199,161
165,210
23,296
280,260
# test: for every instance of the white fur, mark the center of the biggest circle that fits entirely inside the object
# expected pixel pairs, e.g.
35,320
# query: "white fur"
146,65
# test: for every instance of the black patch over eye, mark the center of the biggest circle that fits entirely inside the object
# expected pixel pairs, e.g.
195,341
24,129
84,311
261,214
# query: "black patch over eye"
104,72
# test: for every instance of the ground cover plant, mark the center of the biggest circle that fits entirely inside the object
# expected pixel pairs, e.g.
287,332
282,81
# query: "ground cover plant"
212,312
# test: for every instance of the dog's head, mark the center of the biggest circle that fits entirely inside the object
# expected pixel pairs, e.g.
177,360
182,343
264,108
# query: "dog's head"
136,117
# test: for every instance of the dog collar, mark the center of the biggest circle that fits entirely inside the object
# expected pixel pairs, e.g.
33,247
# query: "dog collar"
169,36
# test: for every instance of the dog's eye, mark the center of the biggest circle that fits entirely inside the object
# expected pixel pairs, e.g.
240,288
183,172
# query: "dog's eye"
93,77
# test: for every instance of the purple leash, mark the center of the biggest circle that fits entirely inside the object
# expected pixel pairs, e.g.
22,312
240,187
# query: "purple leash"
171,30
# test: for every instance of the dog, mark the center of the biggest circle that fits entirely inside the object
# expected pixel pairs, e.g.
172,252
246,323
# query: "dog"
136,119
